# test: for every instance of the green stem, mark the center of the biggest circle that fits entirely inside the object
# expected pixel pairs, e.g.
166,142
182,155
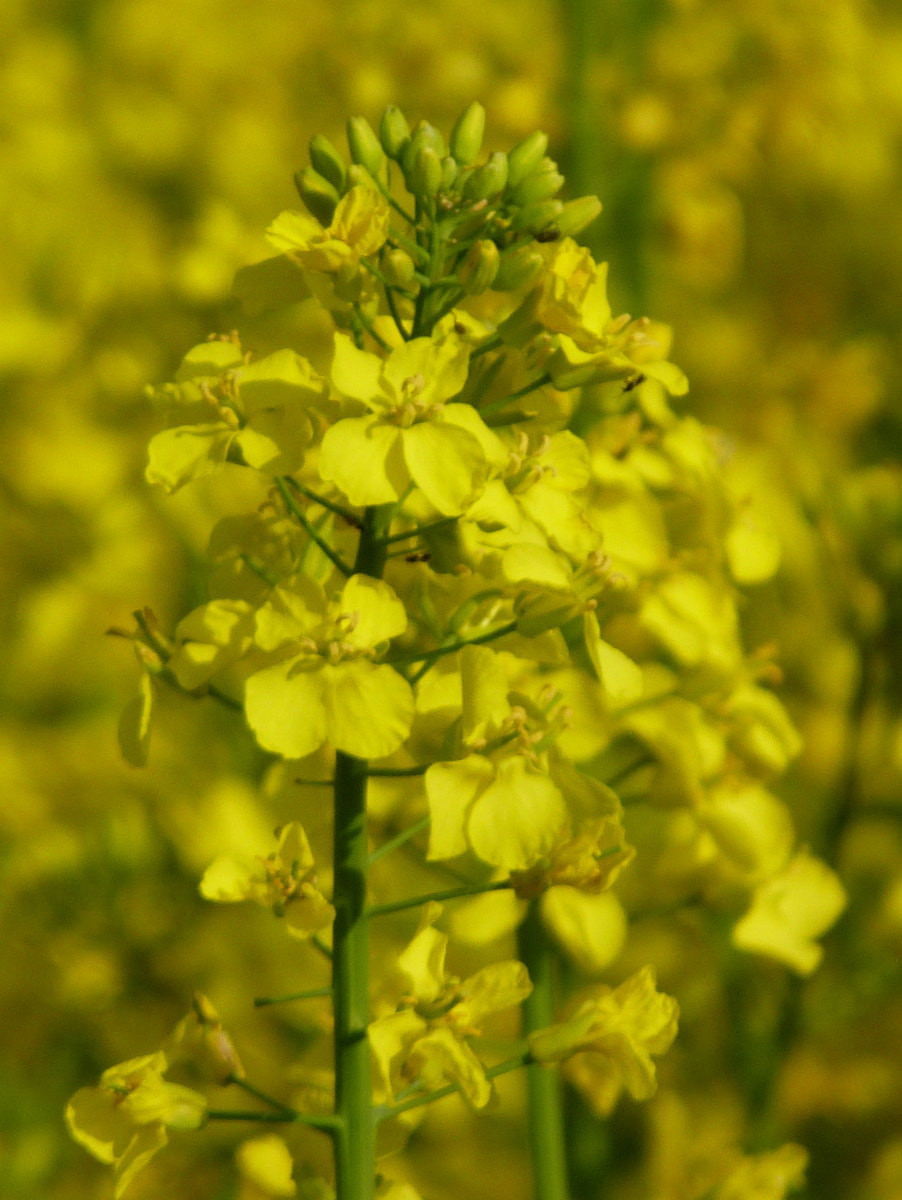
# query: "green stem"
450,648
344,513
308,528
328,1124
546,1118
354,1141
401,840
311,994
468,889
511,1064
498,405
258,1095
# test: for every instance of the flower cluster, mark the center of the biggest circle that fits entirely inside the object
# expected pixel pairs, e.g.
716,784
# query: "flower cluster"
506,602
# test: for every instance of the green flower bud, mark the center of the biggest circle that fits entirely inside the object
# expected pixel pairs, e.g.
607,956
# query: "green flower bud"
518,269
318,194
425,177
394,132
466,136
424,135
479,268
525,157
364,145
357,176
327,161
398,268
535,188
577,214
536,217
489,179
449,173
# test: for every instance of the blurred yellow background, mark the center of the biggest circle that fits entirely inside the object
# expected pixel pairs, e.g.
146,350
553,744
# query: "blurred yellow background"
749,157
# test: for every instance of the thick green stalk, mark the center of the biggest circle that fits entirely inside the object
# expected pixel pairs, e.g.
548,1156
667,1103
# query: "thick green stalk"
546,1118
354,1141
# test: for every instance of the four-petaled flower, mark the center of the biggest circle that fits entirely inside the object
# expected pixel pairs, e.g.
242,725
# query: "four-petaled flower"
411,435
424,1042
325,685
609,1039
123,1121
284,881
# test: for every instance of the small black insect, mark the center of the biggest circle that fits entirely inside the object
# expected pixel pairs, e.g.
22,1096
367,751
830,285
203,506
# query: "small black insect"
548,235
418,556
633,382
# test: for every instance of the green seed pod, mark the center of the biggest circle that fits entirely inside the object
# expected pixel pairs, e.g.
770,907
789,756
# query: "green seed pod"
327,161
394,132
364,145
425,177
398,268
525,157
536,217
518,269
318,194
487,180
535,188
467,134
577,214
449,173
479,268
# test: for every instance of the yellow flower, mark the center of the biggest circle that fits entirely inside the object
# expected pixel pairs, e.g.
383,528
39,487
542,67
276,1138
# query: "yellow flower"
768,1176
199,1038
123,1121
789,911
284,881
610,1038
424,1041
359,228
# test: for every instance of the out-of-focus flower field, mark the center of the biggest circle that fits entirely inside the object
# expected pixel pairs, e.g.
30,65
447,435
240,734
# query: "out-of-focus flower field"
749,158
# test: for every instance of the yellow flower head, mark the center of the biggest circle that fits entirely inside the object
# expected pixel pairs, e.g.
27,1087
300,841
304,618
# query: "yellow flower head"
359,228
123,1121
610,1038
284,881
